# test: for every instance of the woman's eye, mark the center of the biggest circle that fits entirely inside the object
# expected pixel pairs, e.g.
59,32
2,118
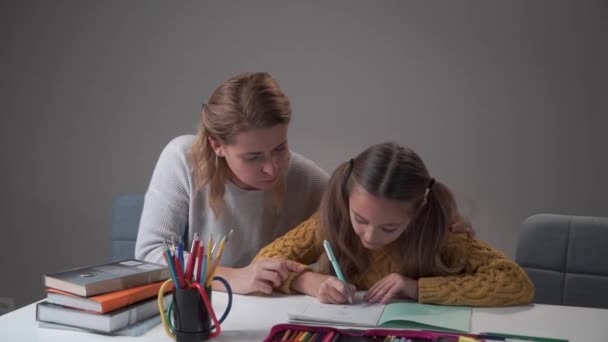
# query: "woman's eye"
280,149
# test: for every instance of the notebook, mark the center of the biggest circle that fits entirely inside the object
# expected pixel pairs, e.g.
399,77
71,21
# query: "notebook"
403,315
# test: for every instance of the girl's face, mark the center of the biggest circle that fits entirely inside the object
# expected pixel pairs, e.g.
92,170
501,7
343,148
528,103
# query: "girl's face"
377,221
257,157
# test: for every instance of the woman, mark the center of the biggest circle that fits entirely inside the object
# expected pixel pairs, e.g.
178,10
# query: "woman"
236,173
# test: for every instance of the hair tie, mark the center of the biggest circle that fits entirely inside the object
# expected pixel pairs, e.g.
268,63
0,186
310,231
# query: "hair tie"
428,190
351,163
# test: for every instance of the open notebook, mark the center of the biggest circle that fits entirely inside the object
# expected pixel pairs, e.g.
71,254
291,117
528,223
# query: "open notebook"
404,315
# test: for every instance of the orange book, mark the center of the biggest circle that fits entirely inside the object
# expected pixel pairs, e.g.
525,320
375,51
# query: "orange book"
105,302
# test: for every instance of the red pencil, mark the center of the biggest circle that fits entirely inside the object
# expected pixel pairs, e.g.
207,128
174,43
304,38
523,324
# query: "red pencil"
191,258
180,273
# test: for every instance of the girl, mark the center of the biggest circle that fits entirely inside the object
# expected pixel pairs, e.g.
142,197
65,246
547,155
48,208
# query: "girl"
236,173
386,219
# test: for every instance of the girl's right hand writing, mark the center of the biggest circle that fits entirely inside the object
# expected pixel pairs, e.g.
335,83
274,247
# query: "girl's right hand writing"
262,275
333,291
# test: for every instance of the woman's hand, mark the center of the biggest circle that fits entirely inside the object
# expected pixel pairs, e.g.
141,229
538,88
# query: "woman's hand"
262,275
392,286
334,291
462,224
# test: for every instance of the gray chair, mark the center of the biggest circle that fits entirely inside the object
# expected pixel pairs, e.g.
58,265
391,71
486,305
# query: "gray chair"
567,259
126,213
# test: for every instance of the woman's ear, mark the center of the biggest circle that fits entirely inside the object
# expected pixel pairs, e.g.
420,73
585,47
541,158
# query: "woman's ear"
216,145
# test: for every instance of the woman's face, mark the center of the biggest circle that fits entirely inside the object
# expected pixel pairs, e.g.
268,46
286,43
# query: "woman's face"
257,157
377,221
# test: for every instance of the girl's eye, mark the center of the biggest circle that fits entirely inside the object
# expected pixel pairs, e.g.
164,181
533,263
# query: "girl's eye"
389,229
360,220
253,158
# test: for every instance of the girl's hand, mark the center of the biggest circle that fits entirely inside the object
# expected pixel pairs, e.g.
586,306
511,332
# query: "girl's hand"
392,286
462,224
333,291
262,275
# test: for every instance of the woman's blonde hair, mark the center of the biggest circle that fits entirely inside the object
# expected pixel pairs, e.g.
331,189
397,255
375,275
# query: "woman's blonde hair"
245,101
393,172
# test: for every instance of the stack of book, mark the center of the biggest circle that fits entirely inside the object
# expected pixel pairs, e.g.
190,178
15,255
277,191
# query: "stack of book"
117,298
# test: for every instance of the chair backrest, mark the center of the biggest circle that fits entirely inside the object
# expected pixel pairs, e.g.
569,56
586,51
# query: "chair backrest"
126,213
566,258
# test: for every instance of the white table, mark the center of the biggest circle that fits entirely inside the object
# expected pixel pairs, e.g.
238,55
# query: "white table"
252,317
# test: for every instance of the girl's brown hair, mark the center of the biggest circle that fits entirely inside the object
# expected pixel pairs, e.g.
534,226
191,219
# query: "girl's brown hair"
245,101
393,172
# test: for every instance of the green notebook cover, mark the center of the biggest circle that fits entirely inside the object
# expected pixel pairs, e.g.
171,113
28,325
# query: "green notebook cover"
425,316
408,315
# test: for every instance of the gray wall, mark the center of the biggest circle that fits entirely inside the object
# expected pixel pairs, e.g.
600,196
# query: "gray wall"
503,100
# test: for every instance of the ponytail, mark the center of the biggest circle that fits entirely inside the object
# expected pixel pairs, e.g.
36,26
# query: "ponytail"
427,231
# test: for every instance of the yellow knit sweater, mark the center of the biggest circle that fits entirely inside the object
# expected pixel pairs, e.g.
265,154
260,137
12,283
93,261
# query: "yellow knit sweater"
489,278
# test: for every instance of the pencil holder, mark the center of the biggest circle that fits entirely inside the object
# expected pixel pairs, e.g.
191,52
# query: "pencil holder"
192,319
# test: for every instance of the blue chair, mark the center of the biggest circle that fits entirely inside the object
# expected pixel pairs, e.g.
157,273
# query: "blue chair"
566,258
126,213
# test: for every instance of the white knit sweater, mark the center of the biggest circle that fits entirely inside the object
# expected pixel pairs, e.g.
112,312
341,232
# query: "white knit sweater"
171,201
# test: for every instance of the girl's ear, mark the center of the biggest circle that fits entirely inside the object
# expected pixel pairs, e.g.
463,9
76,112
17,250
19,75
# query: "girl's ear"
216,145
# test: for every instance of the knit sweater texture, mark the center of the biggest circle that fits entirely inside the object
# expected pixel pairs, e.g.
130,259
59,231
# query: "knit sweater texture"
489,278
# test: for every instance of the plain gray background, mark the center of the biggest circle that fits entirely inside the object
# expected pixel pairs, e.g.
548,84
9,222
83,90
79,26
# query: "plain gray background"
505,101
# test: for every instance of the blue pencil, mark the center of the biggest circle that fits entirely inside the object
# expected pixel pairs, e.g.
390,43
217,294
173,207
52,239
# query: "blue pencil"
169,259
180,253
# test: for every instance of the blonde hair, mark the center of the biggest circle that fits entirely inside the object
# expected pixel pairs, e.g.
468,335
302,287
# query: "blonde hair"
245,101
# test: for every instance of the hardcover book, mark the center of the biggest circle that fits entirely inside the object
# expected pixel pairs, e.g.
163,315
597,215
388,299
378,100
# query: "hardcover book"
106,302
93,280
104,323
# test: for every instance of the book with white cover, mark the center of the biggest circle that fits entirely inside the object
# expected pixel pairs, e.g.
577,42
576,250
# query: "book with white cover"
105,323
136,329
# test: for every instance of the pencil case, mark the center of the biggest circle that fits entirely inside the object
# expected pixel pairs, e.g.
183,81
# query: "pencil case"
288,332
